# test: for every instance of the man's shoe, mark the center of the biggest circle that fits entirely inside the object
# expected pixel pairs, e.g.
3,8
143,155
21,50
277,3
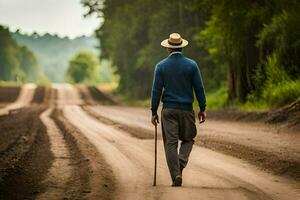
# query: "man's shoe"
177,181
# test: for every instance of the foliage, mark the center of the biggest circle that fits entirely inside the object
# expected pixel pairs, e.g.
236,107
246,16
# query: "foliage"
107,73
252,45
17,63
83,68
282,38
282,93
217,99
279,88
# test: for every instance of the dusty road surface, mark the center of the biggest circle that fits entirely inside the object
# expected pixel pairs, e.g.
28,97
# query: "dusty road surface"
252,134
107,152
262,144
210,175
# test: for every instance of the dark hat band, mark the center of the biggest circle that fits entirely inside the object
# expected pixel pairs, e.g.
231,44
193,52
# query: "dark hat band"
174,44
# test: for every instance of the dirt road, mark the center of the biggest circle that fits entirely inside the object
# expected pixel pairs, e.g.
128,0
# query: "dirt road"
107,152
210,175
258,143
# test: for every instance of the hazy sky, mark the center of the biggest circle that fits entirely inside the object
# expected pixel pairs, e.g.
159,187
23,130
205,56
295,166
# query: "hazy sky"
63,17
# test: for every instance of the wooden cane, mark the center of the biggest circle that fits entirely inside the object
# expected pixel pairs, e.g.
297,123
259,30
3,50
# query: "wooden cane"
155,155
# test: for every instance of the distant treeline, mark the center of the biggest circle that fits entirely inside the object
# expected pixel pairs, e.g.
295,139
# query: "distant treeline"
17,63
54,52
251,47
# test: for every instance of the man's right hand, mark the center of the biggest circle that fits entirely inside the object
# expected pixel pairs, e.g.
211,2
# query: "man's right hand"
201,117
155,120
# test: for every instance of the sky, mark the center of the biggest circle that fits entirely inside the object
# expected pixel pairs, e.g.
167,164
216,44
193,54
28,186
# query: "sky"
61,17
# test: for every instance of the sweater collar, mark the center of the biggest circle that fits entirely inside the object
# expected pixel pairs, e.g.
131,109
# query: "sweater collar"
175,52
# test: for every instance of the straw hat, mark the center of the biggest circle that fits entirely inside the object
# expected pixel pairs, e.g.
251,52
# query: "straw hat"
174,42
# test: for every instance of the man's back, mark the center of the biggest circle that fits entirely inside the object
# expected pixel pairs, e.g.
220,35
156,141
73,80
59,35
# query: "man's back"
178,76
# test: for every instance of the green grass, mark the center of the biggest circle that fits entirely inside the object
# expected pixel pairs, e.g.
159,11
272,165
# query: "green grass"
9,83
141,103
248,106
134,102
273,96
215,100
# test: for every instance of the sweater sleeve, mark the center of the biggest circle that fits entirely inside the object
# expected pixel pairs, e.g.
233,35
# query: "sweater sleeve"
156,90
199,88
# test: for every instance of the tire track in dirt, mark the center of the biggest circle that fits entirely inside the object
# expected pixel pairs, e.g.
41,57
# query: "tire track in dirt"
274,163
61,169
9,93
135,131
211,175
24,99
95,180
25,164
129,117
99,96
44,95
39,95
67,94
86,95
68,177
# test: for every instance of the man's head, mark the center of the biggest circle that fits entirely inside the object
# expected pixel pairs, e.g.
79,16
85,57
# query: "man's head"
174,43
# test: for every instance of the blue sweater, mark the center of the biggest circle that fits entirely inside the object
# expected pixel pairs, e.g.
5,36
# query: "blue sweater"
175,79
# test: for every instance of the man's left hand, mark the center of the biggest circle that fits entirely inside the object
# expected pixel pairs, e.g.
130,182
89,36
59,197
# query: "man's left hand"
202,117
155,120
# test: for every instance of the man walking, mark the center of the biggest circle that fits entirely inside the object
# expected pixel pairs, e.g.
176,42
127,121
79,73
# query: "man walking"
176,78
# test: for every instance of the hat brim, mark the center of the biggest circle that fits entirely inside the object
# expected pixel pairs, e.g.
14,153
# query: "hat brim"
165,43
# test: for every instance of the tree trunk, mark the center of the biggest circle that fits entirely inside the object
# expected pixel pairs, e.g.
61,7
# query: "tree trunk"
230,83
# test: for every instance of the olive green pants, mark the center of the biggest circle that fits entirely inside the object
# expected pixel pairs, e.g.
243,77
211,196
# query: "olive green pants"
178,125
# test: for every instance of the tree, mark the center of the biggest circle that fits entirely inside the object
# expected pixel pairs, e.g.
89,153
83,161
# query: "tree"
17,63
28,64
83,68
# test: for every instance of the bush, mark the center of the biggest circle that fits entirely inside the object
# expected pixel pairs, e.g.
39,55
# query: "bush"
275,87
83,68
279,88
282,93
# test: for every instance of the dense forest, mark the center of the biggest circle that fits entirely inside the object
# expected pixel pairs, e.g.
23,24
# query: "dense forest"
17,63
53,52
249,47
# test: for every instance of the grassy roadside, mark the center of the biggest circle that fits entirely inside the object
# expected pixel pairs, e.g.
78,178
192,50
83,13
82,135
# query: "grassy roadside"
271,98
13,83
9,83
